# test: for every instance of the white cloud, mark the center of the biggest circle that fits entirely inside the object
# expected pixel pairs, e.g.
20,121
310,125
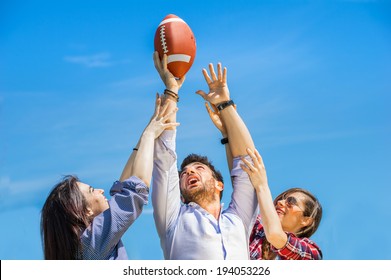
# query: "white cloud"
91,61
135,82
12,187
23,193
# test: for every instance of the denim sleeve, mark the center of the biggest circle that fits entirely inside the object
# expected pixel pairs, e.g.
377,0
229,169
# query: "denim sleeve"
102,236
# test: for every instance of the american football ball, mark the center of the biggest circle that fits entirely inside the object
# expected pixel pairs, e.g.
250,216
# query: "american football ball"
175,38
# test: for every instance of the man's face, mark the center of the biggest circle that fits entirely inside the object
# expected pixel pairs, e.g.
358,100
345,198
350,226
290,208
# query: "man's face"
197,183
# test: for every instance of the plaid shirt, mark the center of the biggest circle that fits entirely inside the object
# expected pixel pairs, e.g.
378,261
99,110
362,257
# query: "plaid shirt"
296,248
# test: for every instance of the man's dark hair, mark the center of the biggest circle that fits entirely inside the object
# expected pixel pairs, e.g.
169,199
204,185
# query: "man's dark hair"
204,160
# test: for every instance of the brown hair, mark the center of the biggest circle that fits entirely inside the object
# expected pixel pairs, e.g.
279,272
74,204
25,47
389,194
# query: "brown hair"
204,160
63,219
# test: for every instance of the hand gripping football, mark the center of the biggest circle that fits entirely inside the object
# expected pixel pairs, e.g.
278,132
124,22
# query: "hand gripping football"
175,38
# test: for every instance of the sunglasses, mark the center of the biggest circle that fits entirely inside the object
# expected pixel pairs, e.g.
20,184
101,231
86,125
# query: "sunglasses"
291,201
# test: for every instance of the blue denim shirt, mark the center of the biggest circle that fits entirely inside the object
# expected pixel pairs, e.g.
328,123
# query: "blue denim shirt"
102,239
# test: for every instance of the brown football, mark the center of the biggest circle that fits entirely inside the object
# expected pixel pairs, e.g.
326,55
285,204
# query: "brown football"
175,38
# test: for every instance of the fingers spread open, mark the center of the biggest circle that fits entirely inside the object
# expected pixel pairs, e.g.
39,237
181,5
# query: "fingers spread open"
212,72
206,76
212,112
163,110
201,93
208,108
157,105
219,73
225,75
170,125
167,116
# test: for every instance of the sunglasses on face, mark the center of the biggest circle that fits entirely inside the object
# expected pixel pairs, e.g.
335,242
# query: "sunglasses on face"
291,201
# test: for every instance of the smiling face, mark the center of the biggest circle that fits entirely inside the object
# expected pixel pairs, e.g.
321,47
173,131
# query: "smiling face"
198,184
291,209
96,201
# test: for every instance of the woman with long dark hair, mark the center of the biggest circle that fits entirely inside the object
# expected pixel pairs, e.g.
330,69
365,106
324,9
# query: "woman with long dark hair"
77,220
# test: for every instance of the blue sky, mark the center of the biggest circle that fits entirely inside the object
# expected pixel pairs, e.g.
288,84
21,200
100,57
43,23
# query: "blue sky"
310,78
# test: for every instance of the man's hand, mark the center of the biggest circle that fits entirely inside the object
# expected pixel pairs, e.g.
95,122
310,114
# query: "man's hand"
215,117
168,79
218,89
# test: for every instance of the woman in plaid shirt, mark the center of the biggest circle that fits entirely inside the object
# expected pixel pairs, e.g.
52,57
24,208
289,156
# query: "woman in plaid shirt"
283,228
286,223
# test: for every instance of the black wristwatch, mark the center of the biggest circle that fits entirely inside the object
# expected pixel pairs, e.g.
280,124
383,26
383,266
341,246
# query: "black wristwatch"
225,104
224,140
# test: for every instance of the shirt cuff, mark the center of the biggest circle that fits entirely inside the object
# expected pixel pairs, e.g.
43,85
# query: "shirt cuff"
236,169
168,137
133,183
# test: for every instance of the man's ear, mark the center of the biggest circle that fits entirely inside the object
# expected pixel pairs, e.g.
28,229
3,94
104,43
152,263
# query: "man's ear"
220,186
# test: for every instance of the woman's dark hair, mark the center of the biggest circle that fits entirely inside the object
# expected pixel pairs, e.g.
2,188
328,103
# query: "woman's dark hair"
64,217
313,209
204,160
